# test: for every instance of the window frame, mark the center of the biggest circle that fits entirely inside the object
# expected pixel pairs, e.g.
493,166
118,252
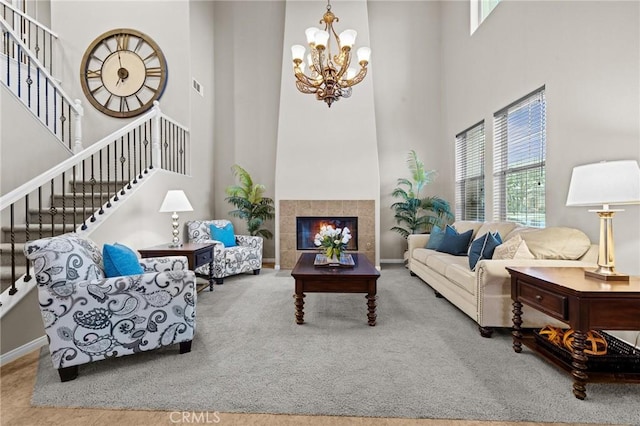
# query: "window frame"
462,178
531,164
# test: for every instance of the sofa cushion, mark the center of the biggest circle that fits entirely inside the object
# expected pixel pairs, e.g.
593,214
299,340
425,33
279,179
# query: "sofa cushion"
557,243
120,260
483,248
440,261
513,248
421,255
435,238
455,243
465,225
461,276
64,260
503,228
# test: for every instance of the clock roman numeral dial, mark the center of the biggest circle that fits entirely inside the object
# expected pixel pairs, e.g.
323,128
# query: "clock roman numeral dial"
154,72
123,72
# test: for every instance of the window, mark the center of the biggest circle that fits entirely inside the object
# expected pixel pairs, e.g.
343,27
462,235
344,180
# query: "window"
470,173
519,161
480,9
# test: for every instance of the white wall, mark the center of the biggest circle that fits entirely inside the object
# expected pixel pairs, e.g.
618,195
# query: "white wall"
405,39
588,56
248,58
78,23
21,136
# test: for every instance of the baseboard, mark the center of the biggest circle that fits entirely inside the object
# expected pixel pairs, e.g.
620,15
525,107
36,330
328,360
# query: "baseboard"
22,350
391,261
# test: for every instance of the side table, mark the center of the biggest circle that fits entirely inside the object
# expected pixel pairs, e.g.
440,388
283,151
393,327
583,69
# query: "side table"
584,303
198,254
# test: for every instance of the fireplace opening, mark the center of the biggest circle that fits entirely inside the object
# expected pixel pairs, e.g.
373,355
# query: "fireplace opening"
308,226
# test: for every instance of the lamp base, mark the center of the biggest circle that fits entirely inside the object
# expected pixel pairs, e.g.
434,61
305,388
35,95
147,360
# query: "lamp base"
175,245
604,276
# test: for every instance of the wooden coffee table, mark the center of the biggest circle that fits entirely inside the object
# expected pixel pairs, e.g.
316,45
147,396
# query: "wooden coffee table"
361,278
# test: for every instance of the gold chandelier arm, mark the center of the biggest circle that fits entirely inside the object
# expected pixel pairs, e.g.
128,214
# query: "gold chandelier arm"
305,89
344,61
355,80
304,79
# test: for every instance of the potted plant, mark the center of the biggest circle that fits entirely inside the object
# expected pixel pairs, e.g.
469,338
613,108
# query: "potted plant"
413,213
251,205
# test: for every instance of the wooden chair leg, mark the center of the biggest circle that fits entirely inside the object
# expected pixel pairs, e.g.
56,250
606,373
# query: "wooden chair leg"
256,271
219,280
68,373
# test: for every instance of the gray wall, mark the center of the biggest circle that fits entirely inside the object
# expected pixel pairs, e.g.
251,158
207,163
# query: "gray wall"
588,56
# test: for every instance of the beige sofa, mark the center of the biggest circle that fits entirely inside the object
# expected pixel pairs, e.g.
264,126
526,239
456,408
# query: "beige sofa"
485,293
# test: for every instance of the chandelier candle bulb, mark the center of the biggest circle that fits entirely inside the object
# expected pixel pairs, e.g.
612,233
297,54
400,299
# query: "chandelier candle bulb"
330,77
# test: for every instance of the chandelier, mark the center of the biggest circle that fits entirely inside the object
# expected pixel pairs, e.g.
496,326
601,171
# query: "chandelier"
330,76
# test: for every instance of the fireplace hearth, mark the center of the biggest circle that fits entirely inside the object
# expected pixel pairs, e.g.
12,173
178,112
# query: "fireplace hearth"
308,226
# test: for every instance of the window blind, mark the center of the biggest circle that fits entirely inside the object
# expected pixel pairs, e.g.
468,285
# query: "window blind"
470,173
519,161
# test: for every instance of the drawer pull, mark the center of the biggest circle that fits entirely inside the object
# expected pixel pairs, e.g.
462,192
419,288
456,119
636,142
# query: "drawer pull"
538,297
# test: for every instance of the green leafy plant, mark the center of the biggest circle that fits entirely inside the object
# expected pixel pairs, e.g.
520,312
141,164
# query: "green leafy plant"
250,203
412,213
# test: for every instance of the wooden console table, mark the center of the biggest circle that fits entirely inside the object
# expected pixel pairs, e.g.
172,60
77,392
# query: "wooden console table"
583,303
198,254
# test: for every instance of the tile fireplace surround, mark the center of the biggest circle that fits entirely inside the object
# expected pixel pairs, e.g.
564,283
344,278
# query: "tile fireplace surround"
364,210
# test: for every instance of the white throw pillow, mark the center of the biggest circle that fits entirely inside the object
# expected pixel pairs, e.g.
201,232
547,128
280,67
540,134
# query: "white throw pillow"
513,248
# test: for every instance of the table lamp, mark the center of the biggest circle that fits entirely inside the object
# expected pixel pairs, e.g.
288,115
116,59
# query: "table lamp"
175,201
605,183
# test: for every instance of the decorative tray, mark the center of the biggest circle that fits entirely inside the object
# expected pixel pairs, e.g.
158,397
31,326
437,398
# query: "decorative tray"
346,260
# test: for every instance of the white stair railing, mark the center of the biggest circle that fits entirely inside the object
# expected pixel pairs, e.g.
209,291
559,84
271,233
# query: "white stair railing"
39,39
92,180
30,80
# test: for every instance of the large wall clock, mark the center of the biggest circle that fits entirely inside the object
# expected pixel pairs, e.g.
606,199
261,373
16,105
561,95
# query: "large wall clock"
122,72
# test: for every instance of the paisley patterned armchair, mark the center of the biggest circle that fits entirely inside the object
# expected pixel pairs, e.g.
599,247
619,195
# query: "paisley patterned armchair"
88,317
244,257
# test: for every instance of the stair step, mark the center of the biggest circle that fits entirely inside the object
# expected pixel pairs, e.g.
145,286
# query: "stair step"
87,185
5,255
20,231
5,276
81,214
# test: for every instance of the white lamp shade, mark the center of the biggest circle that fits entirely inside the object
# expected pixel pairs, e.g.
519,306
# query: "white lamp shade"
311,34
348,38
297,51
364,54
607,182
175,201
321,39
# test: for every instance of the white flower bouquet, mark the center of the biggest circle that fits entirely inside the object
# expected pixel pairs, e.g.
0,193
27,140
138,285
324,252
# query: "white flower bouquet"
333,241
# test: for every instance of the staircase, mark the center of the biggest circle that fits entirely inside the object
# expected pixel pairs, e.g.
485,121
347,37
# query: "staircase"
55,217
72,194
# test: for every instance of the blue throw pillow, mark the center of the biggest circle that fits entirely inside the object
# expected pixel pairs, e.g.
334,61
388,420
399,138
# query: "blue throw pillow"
225,234
120,260
435,238
454,243
482,248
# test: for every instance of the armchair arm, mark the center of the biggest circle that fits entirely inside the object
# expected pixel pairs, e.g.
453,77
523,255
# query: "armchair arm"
164,264
249,241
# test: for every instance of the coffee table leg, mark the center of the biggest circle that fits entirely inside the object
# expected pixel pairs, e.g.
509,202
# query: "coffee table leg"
517,326
579,365
371,305
299,298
